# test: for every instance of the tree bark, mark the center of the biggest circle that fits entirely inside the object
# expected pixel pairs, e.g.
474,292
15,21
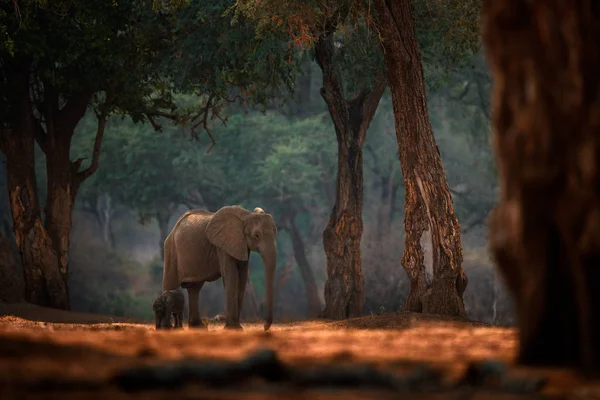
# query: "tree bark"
308,277
44,285
544,58
428,205
341,238
44,246
12,284
63,175
60,199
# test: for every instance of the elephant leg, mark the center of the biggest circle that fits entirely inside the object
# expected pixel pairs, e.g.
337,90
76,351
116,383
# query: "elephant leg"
177,317
242,281
229,272
194,320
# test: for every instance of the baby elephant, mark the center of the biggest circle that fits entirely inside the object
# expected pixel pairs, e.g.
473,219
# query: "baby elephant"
169,303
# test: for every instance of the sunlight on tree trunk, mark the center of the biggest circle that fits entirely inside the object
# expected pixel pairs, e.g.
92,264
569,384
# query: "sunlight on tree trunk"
341,239
545,230
429,209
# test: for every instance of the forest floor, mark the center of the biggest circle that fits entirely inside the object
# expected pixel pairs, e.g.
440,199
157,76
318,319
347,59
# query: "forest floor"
57,354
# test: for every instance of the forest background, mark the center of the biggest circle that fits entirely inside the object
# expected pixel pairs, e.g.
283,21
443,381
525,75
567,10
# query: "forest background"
281,158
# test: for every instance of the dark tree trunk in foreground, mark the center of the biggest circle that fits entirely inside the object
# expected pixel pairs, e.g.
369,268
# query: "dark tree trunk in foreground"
428,205
310,284
544,232
342,236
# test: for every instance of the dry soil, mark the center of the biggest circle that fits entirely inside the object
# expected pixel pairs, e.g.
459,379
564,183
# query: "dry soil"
57,354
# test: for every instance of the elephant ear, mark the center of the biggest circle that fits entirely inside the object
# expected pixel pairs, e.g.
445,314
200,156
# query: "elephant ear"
226,230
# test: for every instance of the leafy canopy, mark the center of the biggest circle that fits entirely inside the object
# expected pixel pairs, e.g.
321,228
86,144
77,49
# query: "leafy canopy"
448,31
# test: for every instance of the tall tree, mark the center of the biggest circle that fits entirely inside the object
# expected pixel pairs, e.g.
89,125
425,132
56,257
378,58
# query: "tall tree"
429,209
56,60
338,31
353,82
303,153
544,59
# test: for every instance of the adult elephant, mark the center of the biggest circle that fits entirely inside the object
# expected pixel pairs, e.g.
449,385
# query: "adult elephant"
204,246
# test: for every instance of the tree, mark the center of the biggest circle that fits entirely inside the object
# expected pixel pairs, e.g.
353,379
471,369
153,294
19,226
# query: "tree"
290,184
149,173
44,95
429,208
353,82
544,60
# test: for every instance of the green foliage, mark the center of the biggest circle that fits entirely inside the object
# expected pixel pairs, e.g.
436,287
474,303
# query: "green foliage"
212,56
267,159
77,48
448,32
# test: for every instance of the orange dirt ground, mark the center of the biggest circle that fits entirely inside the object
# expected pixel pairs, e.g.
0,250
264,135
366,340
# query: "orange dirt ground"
56,354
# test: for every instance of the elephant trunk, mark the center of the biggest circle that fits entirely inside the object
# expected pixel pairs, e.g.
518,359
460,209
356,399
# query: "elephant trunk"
269,257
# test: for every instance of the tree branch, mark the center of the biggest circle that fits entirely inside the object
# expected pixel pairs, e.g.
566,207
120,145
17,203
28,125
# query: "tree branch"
200,119
83,175
70,115
51,111
369,101
333,89
463,93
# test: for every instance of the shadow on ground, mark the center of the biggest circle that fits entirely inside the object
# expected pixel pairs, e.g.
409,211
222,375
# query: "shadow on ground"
57,354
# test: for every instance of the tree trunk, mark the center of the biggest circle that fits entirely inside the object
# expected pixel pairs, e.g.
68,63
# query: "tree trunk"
104,212
12,285
62,188
342,236
386,208
544,58
428,205
312,292
44,285
163,226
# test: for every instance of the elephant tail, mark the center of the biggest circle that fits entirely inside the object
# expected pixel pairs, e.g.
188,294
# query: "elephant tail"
170,270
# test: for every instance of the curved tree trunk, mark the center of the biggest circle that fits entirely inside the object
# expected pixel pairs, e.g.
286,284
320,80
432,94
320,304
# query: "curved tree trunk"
544,58
342,236
428,205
